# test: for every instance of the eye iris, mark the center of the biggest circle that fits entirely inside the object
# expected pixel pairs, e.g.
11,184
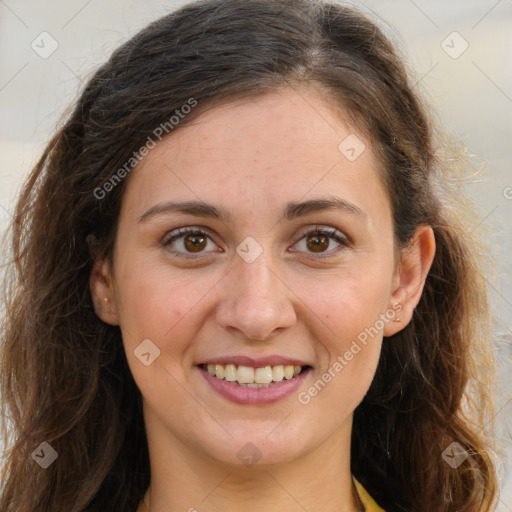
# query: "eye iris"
195,243
317,243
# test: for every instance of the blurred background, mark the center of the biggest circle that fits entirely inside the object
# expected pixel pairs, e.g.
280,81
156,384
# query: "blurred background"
459,52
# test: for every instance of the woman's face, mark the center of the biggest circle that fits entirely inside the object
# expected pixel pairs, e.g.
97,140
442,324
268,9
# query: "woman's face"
290,262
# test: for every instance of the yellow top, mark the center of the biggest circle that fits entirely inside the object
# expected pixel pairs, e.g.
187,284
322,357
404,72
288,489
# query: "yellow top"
367,500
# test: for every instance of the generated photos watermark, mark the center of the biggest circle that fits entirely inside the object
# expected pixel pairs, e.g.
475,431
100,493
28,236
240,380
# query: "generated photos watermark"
44,455
158,133
343,360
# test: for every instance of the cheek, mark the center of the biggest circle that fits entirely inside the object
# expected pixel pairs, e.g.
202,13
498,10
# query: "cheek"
348,305
351,310
157,303
349,352
160,306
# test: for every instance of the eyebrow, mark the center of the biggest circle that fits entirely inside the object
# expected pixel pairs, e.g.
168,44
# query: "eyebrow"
299,209
292,211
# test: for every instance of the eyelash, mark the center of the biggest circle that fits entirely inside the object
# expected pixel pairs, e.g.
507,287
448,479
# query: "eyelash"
331,233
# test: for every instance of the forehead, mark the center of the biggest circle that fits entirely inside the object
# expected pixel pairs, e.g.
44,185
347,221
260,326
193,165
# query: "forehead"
286,124
286,144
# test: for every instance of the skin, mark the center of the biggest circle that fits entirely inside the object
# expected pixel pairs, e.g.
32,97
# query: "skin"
252,158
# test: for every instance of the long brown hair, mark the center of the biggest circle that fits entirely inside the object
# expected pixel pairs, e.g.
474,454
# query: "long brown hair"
65,378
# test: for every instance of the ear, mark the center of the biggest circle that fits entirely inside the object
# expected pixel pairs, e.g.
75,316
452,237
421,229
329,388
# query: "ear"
102,292
409,279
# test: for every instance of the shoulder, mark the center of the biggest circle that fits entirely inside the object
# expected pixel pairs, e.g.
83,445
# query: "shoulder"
367,500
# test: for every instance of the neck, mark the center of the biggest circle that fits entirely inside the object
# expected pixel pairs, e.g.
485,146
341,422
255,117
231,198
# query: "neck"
183,479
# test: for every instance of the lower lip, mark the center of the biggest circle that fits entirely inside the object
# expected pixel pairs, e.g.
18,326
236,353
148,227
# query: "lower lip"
255,396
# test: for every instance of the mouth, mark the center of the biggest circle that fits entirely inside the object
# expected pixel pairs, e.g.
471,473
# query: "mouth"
250,377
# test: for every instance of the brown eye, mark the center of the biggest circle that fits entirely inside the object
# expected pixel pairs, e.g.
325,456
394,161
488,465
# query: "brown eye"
195,243
189,241
317,243
324,242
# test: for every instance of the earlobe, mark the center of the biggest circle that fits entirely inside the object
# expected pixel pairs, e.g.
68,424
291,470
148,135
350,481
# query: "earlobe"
102,292
415,263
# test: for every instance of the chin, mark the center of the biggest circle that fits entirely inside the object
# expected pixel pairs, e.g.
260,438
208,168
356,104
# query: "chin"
254,450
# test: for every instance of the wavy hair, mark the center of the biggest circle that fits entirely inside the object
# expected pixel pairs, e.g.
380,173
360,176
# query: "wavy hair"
65,379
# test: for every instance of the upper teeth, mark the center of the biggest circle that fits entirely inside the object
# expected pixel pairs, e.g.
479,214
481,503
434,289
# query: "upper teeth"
249,375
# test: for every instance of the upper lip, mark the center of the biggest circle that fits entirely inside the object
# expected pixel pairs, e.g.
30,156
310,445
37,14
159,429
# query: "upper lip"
256,362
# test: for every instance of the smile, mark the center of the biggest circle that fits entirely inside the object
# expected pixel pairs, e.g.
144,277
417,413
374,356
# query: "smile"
248,376
246,386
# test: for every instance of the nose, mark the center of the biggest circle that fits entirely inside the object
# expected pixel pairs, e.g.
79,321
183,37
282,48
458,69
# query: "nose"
256,304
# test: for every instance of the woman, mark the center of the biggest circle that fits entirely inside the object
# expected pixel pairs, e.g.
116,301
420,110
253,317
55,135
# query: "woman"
238,284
